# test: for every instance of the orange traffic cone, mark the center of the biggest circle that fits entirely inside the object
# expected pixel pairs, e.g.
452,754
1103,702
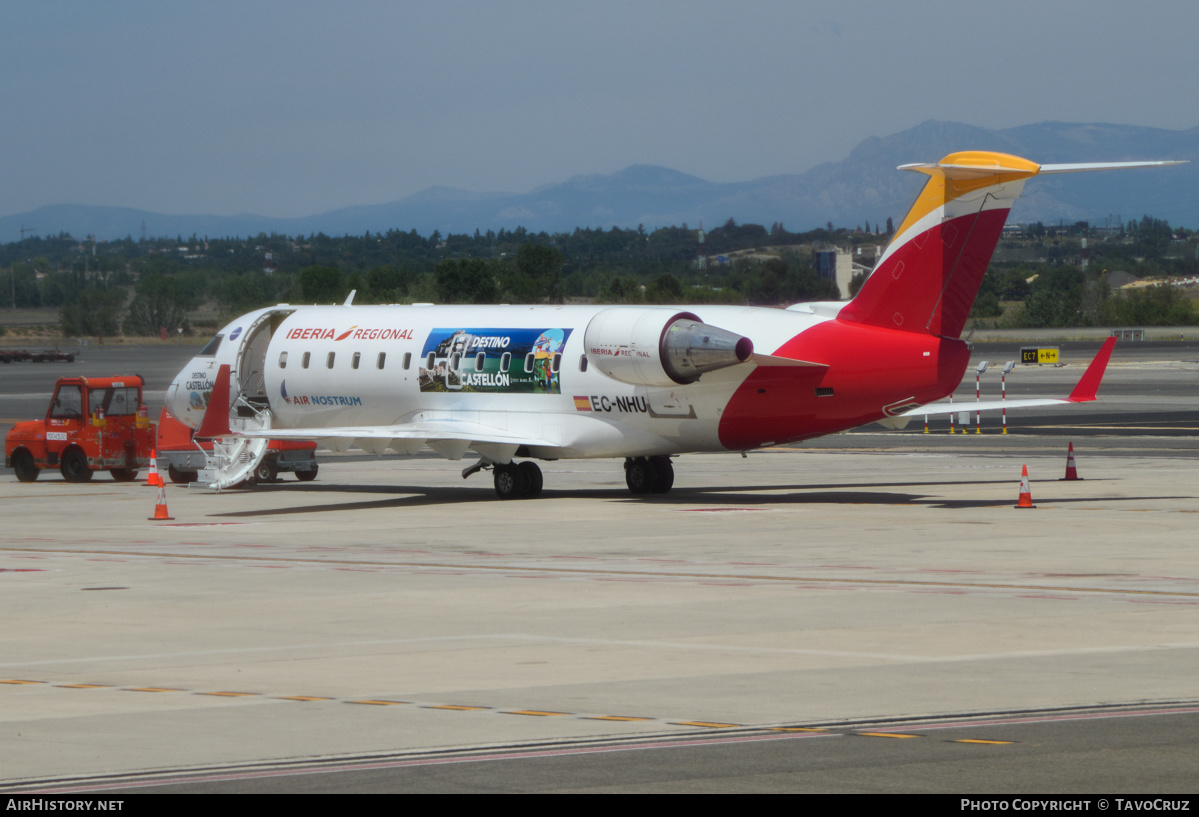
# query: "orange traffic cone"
1071,469
160,507
153,480
1025,491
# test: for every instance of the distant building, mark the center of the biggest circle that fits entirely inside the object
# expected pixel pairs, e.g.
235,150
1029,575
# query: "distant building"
834,265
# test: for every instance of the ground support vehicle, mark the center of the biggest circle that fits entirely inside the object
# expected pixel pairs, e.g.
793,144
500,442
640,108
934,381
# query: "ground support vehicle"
48,356
92,424
184,457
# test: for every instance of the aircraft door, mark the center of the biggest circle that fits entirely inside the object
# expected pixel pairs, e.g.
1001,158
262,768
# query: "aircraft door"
251,360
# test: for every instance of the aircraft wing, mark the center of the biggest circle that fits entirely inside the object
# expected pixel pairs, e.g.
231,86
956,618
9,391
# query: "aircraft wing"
498,441
442,429
1086,391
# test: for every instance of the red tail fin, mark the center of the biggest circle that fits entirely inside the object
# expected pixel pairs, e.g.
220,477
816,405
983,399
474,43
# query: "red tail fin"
928,278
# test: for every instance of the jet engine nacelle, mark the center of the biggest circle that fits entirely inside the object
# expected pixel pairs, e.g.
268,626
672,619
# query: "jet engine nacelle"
649,346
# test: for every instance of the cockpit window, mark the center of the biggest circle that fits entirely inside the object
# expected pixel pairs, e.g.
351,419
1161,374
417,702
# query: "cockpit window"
210,349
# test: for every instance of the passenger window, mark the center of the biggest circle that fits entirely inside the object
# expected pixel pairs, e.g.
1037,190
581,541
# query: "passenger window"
429,361
382,359
480,359
455,361
582,363
305,360
329,360
529,363
283,360
505,361
407,361
556,363
355,360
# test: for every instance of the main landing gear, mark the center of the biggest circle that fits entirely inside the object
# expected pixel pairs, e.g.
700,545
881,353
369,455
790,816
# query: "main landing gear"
517,480
522,480
649,475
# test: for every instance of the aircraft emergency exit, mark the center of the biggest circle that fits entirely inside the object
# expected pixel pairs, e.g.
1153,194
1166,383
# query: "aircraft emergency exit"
640,383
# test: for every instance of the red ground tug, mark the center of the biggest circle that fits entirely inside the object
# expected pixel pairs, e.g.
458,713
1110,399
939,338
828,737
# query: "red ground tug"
92,424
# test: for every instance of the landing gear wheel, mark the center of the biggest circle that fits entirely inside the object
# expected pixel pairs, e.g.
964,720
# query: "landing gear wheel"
265,472
533,473
181,477
307,476
649,475
23,466
124,474
74,467
663,473
511,481
639,475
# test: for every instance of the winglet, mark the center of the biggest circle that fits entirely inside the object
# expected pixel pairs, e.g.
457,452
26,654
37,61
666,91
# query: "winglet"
1088,384
216,417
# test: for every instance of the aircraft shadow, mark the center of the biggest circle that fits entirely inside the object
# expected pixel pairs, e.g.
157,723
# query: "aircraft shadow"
407,496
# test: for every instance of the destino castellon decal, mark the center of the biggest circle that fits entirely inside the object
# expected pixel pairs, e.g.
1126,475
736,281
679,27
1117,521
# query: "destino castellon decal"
518,361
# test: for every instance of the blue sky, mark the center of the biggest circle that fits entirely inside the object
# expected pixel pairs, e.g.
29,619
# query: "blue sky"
298,107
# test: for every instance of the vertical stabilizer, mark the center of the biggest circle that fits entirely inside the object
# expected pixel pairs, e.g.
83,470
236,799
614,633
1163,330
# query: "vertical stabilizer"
929,275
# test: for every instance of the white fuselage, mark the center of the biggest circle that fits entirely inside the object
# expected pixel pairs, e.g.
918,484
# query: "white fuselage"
522,368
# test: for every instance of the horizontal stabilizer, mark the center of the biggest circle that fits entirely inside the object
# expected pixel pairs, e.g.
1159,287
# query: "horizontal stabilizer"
1086,391
992,164
1085,167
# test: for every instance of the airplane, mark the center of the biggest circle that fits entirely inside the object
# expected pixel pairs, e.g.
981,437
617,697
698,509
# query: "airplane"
514,384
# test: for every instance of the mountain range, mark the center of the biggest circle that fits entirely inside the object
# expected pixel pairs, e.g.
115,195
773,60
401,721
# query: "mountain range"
863,187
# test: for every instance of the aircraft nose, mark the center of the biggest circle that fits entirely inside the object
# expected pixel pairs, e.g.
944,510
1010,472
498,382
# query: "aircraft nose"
177,401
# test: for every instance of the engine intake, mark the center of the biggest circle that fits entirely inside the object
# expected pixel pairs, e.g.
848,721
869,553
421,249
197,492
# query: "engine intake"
648,346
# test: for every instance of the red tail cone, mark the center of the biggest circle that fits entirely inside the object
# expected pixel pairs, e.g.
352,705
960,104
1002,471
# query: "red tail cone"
153,480
160,507
1025,491
1071,469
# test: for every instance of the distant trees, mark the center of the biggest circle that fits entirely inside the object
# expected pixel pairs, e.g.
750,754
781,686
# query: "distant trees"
322,285
160,301
776,282
468,281
1150,306
746,263
665,289
92,312
535,277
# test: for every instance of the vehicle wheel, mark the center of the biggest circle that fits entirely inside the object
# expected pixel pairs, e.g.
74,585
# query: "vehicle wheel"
663,474
533,474
639,475
307,476
511,482
181,477
265,472
24,467
124,474
74,467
